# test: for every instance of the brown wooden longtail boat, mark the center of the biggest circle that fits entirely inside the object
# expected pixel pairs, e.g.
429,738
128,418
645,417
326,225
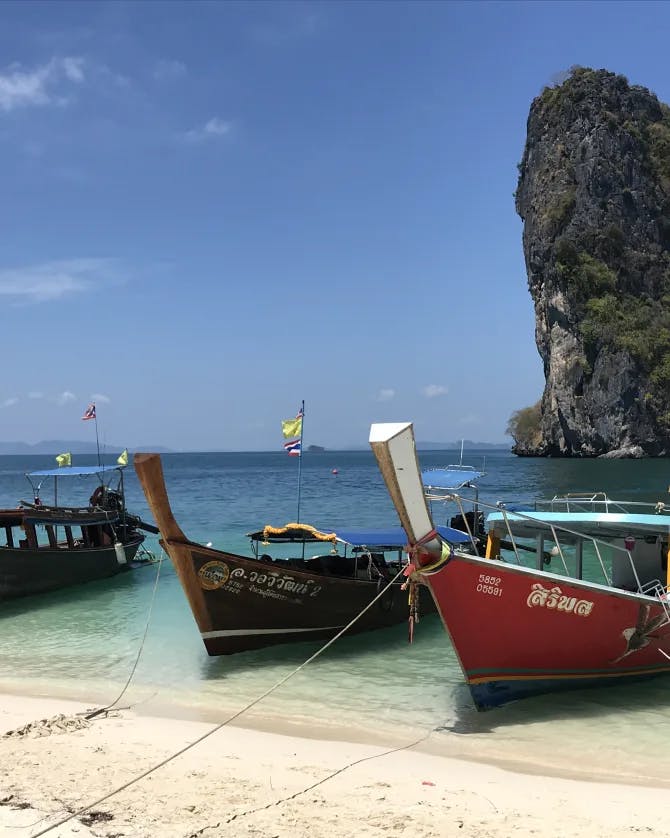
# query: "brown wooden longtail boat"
48,546
248,602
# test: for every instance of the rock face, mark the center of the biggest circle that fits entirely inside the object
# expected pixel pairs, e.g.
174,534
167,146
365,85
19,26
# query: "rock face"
594,196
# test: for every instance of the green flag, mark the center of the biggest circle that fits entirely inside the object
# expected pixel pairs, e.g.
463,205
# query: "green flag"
64,459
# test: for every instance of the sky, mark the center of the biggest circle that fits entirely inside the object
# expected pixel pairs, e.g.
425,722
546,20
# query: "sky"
213,211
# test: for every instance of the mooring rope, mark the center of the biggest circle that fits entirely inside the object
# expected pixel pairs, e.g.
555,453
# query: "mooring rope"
222,724
93,713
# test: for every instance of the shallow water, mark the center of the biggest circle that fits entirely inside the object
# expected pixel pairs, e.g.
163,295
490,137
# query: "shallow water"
83,642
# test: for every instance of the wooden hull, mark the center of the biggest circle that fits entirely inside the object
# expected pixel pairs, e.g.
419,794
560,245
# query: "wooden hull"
24,572
243,603
520,632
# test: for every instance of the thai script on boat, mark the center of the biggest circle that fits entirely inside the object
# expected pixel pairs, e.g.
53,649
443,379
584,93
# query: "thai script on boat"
554,598
283,582
267,592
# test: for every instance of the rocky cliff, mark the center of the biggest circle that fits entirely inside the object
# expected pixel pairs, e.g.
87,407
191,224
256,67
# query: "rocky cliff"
594,196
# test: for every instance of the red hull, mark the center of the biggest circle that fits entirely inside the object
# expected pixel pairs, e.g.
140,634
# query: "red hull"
518,631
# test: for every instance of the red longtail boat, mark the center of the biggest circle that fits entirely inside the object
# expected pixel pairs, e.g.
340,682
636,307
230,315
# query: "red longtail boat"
522,630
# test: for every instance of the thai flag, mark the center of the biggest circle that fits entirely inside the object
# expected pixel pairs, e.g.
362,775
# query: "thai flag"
292,448
89,413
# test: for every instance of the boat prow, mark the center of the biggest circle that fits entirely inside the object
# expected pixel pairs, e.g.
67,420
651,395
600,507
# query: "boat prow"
395,450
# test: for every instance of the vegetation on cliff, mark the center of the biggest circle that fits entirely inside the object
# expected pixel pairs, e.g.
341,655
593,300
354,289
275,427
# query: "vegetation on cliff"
594,195
524,428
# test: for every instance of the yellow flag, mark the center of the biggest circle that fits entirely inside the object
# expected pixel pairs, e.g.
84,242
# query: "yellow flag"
64,459
122,459
292,427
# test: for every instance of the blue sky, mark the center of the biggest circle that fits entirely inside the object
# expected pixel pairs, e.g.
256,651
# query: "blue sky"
212,211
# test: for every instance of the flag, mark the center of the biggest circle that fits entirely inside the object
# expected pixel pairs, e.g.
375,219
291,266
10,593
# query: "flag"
292,448
292,427
89,413
122,459
64,459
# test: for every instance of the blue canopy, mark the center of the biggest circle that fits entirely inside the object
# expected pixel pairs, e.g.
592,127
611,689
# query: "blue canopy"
74,471
394,537
451,477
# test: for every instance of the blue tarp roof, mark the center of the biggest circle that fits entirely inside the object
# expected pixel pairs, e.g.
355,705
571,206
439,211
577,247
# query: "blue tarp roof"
394,536
451,477
73,471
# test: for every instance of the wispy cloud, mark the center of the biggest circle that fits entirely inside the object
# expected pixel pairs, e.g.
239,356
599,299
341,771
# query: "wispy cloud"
9,402
434,390
215,127
168,70
53,280
385,395
100,398
65,397
46,84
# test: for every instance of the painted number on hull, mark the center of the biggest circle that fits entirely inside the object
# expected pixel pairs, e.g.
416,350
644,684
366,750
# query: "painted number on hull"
489,585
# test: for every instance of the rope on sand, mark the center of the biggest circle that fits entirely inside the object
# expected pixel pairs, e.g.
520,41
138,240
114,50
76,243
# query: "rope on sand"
218,727
65,724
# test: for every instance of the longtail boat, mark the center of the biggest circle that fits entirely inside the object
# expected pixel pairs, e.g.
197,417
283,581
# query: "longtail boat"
45,546
524,626
249,602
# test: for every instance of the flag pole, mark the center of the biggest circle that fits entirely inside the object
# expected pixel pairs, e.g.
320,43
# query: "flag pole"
97,441
302,427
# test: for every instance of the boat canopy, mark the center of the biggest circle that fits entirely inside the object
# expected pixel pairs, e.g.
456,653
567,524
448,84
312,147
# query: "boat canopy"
594,524
450,478
390,537
74,471
394,537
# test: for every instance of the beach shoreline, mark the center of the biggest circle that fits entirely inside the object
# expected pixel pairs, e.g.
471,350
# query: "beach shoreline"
243,781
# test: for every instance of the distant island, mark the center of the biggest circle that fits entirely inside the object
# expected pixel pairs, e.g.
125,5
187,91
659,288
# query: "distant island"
468,445
59,446
315,449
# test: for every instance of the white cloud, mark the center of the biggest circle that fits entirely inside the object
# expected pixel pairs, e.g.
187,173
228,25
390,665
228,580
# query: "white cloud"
100,397
65,397
53,280
385,395
433,390
35,394
43,85
9,402
214,127
73,69
168,69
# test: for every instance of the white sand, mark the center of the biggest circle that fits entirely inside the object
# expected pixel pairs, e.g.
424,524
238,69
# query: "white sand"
242,782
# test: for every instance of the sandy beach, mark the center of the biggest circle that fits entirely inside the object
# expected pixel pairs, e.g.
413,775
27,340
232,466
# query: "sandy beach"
245,782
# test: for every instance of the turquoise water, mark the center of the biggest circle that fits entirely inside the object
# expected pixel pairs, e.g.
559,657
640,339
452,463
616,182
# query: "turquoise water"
82,643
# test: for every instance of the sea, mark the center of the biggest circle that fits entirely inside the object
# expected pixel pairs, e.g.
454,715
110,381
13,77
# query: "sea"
133,636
